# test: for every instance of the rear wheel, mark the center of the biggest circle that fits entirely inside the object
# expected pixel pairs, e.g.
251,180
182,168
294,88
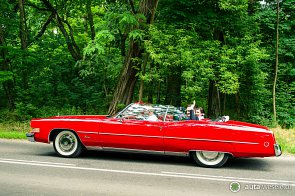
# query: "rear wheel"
67,144
209,159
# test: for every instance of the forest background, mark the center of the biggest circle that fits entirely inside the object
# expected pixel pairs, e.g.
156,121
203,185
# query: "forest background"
62,57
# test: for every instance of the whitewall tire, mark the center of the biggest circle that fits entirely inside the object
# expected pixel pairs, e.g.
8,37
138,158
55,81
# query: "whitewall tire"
209,158
67,144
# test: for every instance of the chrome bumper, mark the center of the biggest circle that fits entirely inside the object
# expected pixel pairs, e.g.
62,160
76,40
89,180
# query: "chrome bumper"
278,150
30,137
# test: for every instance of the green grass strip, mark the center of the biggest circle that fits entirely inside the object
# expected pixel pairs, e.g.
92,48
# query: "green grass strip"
12,135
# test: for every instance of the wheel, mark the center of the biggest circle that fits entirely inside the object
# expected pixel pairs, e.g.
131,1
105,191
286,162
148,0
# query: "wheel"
67,144
209,159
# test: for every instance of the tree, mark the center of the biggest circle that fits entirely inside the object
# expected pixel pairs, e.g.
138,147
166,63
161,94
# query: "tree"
24,40
89,56
125,88
277,63
90,18
6,75
69,36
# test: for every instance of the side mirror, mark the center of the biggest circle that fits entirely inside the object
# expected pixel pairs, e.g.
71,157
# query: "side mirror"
120,118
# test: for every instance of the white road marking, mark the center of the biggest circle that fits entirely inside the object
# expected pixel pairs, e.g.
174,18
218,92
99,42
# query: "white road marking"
39,162
162,174
252,180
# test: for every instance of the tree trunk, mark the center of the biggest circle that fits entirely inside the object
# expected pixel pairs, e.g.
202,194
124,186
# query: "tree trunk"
90,18
23,25
213,101
146,56
24,42
8,85
153,87
252,7
277,64
224,104
123,45
159,92
237,101
125,88
173,87
72,46
214,106
43,29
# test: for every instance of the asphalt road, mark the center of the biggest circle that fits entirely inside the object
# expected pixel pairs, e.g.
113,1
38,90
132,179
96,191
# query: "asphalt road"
34,169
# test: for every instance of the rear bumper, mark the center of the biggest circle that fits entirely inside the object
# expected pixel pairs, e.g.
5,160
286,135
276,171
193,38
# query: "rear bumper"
30,137
278,150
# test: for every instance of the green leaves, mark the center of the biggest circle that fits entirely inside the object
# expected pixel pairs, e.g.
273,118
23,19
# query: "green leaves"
127,22
228,83
5,76
98,46
233,5
137,35
228,43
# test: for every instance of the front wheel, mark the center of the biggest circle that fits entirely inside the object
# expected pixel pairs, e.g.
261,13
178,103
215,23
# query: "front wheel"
67,144
209,159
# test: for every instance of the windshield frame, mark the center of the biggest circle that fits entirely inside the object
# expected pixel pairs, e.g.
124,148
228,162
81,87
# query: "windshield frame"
155,107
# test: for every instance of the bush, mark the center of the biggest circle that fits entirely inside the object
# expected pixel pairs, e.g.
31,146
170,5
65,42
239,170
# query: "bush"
25,111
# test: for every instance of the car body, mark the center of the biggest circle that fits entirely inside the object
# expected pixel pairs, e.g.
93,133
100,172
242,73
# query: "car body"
209,143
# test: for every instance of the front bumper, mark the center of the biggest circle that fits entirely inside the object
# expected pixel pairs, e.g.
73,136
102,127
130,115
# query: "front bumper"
30,137
278,150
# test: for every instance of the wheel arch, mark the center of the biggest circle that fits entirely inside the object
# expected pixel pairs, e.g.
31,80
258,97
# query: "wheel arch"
229,153
79,146
54,133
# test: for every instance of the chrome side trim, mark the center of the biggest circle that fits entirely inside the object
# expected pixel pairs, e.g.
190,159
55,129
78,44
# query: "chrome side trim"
176,153
130,150
209,140
86,132
155,152
133,150
179,138
94,148
131,135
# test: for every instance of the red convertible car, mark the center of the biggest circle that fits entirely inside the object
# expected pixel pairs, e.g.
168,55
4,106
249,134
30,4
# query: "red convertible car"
160,129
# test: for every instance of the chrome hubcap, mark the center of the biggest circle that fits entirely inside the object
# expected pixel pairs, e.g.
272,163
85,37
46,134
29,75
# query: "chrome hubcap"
67,143
210,156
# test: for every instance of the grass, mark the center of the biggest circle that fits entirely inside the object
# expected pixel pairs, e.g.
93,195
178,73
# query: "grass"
18,130
14,130
286,139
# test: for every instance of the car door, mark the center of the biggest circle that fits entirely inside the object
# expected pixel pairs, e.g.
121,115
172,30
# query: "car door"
132,134
177,135
183,136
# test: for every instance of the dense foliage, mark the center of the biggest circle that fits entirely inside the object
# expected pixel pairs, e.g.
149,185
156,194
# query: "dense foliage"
70,57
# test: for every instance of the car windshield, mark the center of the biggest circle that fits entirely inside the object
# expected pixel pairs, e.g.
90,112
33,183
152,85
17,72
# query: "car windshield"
141,111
